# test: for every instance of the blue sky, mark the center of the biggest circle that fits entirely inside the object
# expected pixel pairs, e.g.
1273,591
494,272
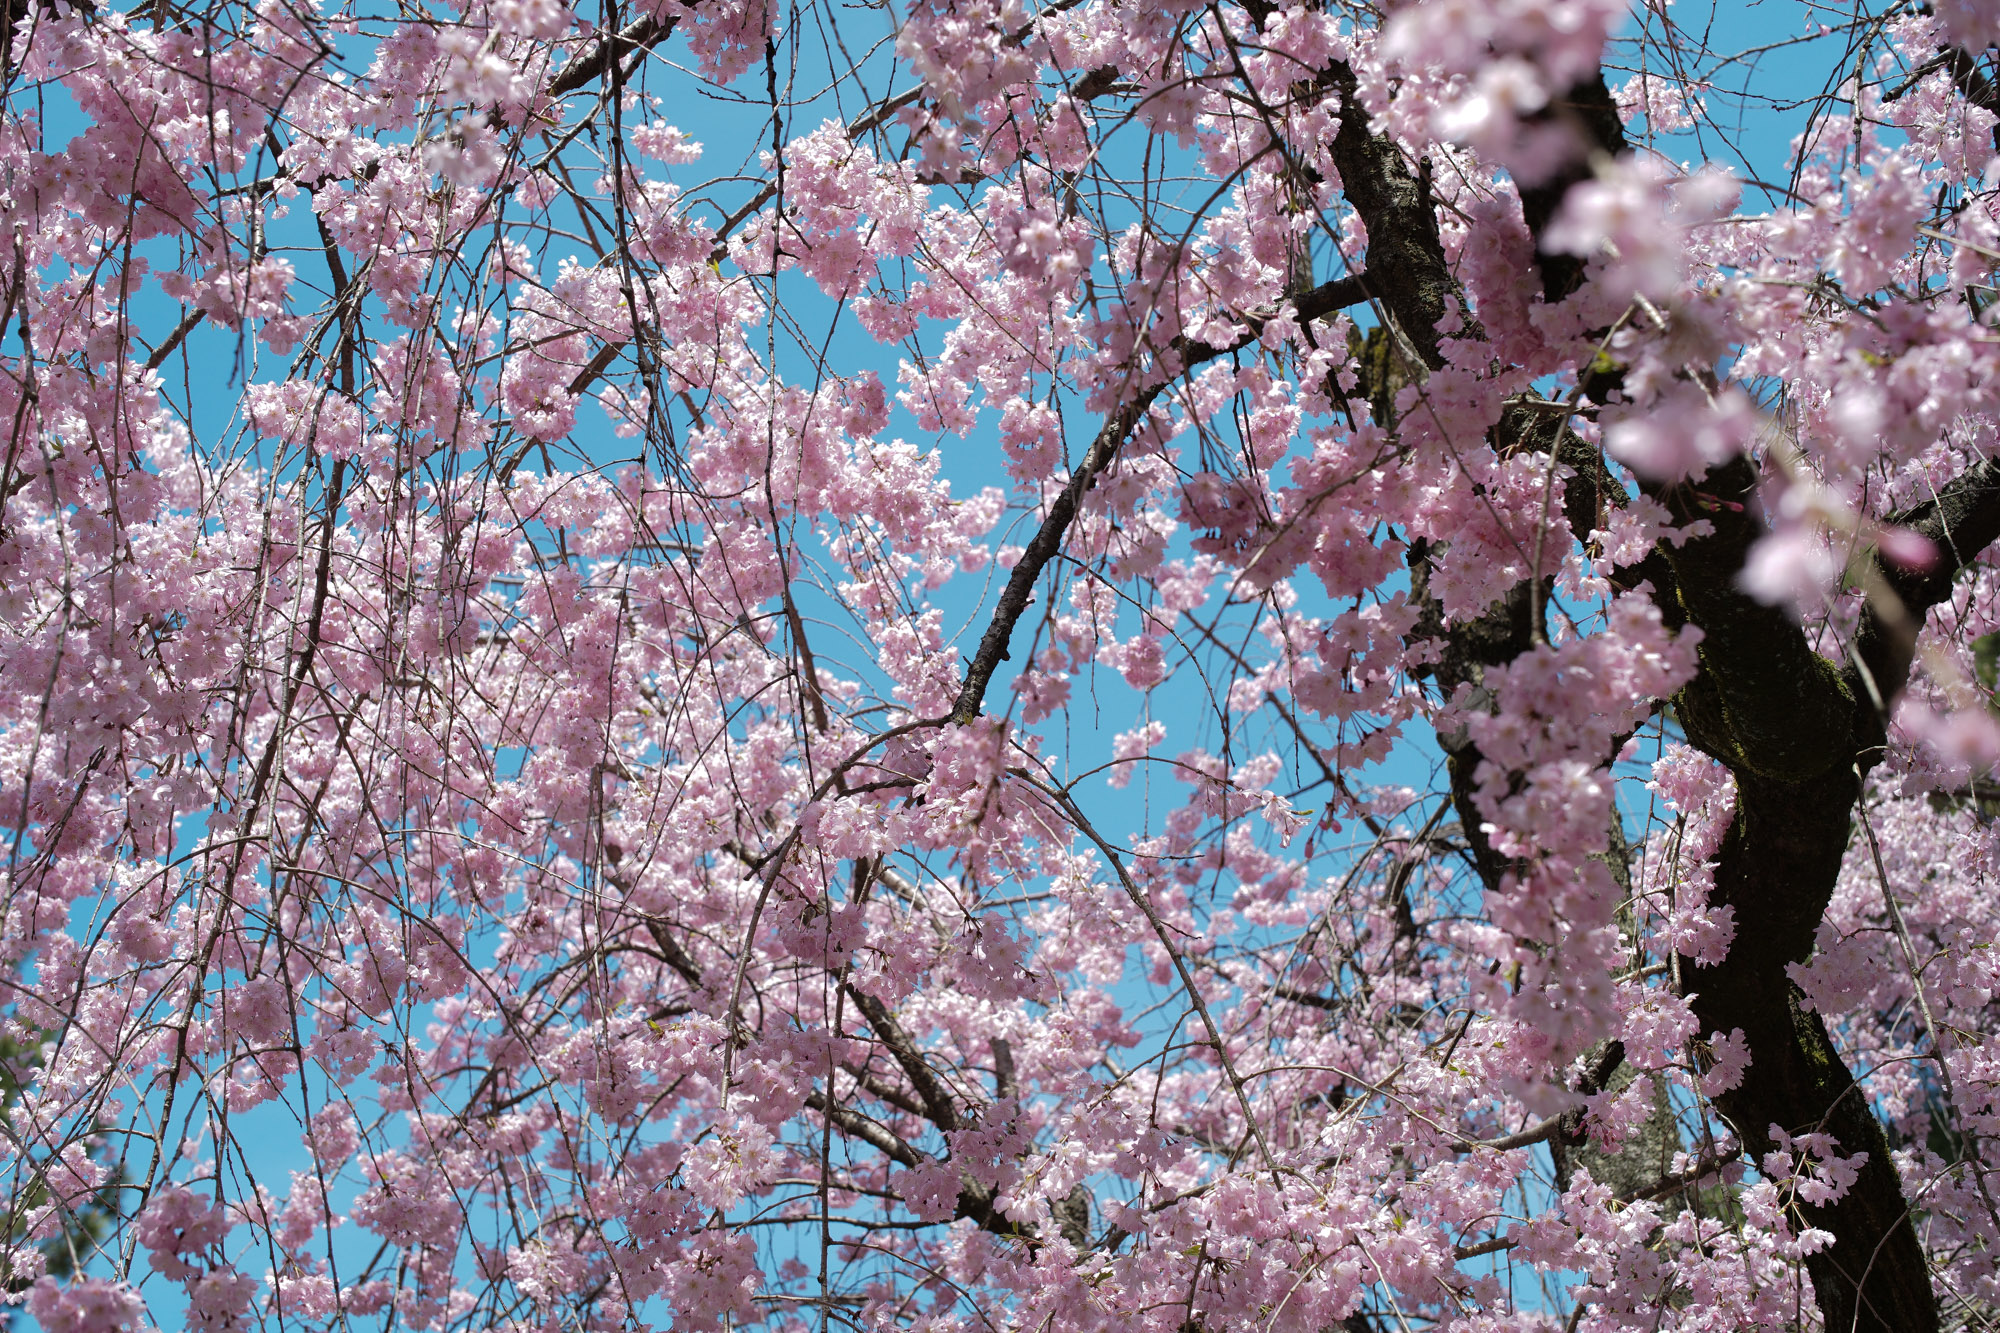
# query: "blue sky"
1750,133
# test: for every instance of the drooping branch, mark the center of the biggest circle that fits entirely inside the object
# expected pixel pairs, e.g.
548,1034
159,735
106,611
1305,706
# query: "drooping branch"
1974,85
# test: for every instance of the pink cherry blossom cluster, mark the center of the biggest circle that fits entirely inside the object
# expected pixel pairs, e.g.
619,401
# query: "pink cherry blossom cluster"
976,665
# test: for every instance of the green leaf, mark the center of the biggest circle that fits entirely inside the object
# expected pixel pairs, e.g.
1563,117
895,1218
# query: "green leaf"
1986,659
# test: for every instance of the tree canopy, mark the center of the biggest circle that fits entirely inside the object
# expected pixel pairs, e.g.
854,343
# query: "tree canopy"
965,665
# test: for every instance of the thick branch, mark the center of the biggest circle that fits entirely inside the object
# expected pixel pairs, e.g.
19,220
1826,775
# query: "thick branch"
870,1131
676,957
1799,733
594,64
1780,716
1411,282
938,1105
1765,702
1590,112
1776,872
1962,521
1405,254
1185,354
975,1201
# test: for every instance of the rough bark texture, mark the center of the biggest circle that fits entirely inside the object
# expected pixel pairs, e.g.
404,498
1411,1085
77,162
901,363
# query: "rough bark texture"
1798,732
1641,1164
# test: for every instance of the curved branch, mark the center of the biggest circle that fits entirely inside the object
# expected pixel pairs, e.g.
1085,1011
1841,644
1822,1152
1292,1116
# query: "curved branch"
594,64
1765,701
938,1105
1318,303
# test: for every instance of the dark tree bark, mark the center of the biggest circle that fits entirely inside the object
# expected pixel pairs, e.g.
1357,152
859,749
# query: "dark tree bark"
1798,732
1800,736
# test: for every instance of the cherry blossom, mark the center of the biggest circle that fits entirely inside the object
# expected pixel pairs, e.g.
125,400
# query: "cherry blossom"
985,665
